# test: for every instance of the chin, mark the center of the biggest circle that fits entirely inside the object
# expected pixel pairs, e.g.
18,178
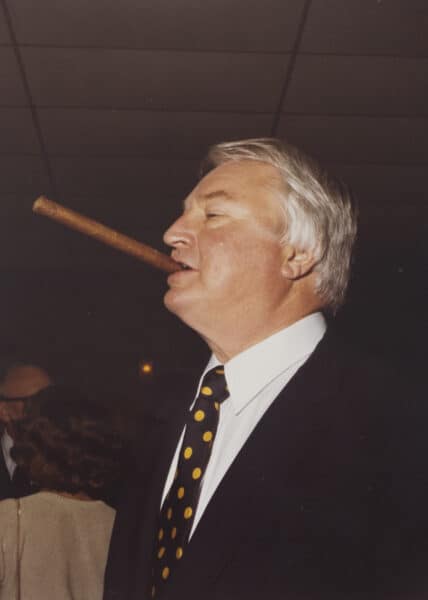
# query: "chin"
168,301
175,301
184,307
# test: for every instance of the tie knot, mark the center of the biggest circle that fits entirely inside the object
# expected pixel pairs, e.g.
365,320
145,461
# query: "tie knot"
214,385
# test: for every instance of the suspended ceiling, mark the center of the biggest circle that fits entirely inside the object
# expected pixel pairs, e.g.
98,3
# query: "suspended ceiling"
108,106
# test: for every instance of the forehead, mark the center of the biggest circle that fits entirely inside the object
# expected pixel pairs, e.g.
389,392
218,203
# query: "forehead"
238,181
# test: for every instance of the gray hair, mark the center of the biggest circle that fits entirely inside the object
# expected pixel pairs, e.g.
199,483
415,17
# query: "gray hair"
320,214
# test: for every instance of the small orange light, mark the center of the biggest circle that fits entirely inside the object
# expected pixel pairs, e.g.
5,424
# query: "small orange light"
146,368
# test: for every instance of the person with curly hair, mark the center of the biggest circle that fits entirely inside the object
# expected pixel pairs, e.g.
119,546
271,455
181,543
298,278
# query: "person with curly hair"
54,543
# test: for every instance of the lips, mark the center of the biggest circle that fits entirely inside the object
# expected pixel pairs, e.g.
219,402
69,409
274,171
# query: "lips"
185,263
179,277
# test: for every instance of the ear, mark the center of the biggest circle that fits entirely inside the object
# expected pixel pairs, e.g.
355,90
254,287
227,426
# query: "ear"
296,263
4,413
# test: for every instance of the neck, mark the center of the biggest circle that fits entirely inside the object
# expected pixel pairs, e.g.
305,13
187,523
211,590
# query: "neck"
237,338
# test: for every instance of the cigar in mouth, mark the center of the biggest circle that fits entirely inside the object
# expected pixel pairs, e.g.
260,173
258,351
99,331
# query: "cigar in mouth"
104,234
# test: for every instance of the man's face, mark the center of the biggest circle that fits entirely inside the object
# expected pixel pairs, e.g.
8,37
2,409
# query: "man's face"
229,239
20,383
11,411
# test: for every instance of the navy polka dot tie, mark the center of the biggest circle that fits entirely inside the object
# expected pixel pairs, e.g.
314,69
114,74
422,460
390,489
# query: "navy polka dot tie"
178,510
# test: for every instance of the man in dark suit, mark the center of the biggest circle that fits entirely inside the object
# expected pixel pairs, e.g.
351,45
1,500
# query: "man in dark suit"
20,383
315,484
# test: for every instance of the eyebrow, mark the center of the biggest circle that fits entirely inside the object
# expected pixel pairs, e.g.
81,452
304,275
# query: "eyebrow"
217,194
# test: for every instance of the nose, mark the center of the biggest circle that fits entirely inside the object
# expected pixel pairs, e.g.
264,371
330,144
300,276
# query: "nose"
179,233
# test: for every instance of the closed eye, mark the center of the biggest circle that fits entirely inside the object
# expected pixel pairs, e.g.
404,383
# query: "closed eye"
214,213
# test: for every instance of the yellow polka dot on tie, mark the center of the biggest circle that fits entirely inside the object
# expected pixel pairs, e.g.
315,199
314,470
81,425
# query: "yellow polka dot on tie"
188,512
208,436
199,415
160,534
217,405
165,573
196,473
180,492
179,553
188,452
169,514
173,533
219,371
153,591
161,552
206,391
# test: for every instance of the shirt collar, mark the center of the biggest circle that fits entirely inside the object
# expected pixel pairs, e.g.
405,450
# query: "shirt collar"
6,441
6,445
253,369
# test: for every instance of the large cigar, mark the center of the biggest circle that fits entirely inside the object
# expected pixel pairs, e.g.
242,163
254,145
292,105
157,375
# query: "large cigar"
75,220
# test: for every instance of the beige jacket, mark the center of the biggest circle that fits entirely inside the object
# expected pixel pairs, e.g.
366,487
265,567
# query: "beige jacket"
62,548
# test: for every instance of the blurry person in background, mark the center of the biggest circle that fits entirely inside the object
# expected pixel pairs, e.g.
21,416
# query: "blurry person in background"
54,543
21,382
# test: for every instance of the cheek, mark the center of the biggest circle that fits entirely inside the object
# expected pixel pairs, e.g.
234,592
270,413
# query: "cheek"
222,260
242,266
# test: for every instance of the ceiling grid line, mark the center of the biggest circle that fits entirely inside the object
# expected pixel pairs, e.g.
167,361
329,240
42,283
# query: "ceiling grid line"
31,105
402,55
222,111
290,68
147,156
171,50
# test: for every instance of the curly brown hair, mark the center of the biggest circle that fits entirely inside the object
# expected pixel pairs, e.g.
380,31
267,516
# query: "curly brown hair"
67,444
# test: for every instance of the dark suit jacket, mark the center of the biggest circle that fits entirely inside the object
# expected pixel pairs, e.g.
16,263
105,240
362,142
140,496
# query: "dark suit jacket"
12,489
325,500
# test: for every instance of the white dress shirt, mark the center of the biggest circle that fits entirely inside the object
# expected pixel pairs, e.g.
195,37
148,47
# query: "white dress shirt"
254,378
6,445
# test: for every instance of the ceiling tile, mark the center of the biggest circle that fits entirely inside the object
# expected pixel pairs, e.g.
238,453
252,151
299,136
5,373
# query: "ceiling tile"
359,139
155,134
388,190
21,241
268,26
124,187
155,80
14,205
359,85
4,33
393,211
11,87
367,27
18,135
23,175
33,242
101,175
